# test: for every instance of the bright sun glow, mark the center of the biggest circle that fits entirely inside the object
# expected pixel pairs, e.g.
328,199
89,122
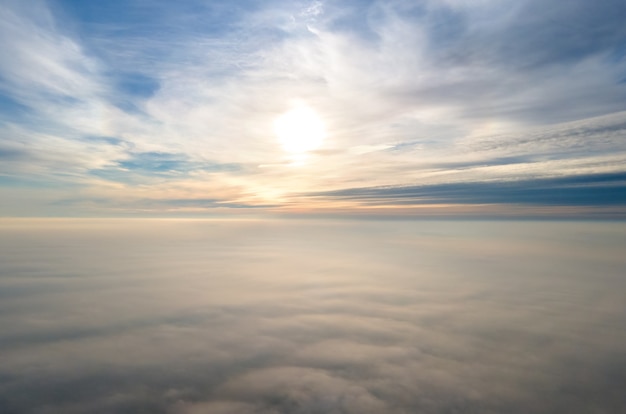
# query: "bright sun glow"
300,130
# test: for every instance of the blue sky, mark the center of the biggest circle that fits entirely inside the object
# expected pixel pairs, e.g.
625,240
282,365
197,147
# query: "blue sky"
447,107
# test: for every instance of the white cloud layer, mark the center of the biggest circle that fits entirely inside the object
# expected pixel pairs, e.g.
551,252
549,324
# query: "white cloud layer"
311,317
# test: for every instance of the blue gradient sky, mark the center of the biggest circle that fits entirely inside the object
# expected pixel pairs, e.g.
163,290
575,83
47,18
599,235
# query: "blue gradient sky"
446,107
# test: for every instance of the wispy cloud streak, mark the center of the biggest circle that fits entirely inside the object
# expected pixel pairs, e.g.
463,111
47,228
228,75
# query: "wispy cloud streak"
585,190
409,92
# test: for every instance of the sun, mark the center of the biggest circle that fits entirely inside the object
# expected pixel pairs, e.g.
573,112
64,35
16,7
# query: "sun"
299,130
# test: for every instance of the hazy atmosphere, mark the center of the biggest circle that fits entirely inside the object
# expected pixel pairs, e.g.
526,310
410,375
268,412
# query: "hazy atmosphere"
183,316
312,207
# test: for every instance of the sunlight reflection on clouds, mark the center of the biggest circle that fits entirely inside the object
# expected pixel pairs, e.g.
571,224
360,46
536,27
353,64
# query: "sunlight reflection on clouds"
285,316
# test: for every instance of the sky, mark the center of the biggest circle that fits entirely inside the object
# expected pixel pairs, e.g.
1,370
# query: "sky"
274,316
411,108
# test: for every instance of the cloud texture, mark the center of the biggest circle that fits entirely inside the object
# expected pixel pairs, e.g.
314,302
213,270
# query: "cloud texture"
120,107
311,317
